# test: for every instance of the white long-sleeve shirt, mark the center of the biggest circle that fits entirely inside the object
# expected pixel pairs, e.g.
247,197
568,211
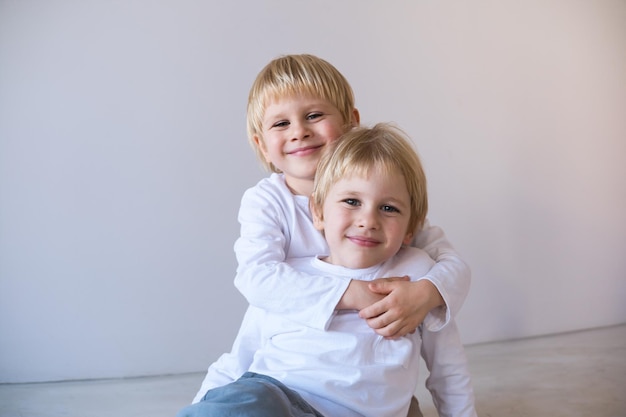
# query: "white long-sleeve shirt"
276,225
347,369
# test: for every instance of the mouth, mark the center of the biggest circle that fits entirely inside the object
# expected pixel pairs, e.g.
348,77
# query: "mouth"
363,241
305,151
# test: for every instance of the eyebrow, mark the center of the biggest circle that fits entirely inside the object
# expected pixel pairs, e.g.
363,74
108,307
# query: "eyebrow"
386,199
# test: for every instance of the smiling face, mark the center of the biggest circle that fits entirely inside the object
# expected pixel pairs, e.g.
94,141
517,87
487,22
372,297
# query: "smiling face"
295,133
365,218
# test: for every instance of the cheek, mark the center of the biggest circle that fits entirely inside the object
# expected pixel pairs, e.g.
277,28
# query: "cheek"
400,229
336,221
272,150
334,132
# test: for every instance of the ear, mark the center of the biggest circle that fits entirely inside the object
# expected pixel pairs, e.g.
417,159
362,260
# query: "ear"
408,238
318,221
356,118
261,145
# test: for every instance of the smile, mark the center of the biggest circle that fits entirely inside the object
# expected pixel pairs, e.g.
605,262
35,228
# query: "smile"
363,241
307,150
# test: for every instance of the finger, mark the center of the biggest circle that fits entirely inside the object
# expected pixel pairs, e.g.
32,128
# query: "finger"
375,310
383,287
380,287
392,279
385,321
376,323
393,332
386,325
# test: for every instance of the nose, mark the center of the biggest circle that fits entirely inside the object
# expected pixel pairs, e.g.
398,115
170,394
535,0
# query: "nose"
368,218
299,130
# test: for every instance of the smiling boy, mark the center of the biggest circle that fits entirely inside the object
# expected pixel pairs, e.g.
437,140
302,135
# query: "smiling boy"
299,105
369,197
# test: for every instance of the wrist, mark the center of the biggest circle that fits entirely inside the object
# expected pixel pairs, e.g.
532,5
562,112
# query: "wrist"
357,296
347,300
434,298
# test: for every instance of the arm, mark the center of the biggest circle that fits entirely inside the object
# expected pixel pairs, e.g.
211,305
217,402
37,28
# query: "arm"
274,227
440,292
449,381
450,274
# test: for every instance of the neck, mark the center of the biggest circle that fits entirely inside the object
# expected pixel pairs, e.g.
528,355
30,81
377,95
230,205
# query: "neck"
299,186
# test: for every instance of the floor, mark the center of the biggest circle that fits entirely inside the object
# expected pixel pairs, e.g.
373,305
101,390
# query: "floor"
574,375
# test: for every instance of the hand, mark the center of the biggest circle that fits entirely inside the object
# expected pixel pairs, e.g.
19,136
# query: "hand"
358,295
404,307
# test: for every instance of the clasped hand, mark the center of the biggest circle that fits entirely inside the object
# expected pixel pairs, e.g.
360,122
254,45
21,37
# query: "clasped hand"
401,305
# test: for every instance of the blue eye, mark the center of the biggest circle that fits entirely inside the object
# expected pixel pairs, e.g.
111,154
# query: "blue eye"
313,116
282,123
390,209
351,201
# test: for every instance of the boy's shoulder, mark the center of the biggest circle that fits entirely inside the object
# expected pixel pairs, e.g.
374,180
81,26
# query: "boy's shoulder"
273,182
273,186
411,261
411,252
271,195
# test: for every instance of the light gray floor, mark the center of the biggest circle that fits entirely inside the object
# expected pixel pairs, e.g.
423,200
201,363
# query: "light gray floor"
574,375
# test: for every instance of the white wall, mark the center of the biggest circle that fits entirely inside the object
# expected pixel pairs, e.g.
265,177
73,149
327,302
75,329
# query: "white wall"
123,157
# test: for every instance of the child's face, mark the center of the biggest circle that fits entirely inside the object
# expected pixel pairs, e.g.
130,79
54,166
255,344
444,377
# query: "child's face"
365,219
295,133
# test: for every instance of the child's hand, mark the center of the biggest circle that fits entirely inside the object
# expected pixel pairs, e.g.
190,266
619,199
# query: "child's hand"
358,295
404,307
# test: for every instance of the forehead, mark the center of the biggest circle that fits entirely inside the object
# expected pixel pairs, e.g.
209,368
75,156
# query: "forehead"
368,168
377,180
295,99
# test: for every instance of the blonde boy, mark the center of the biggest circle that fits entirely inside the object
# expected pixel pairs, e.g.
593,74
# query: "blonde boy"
298,105
369,198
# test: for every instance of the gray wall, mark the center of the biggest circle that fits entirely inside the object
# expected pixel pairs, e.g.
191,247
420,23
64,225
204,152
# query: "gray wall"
123,157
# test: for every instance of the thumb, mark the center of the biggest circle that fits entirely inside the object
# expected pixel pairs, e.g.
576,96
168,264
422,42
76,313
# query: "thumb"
381,283
381,287
392,279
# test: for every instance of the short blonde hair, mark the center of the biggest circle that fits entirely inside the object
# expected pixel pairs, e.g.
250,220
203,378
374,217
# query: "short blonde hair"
362,149
291,75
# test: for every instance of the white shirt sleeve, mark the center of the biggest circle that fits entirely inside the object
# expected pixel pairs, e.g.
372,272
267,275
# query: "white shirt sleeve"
450,274
273,228
449,381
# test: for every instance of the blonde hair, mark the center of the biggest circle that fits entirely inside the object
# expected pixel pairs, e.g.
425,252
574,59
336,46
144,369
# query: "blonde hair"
291,75
362,149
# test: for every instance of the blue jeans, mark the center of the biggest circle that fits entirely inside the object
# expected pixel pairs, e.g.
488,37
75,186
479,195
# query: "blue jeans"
252,395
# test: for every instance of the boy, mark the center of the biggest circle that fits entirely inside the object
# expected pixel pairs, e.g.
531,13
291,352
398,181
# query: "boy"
369,197
298,105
